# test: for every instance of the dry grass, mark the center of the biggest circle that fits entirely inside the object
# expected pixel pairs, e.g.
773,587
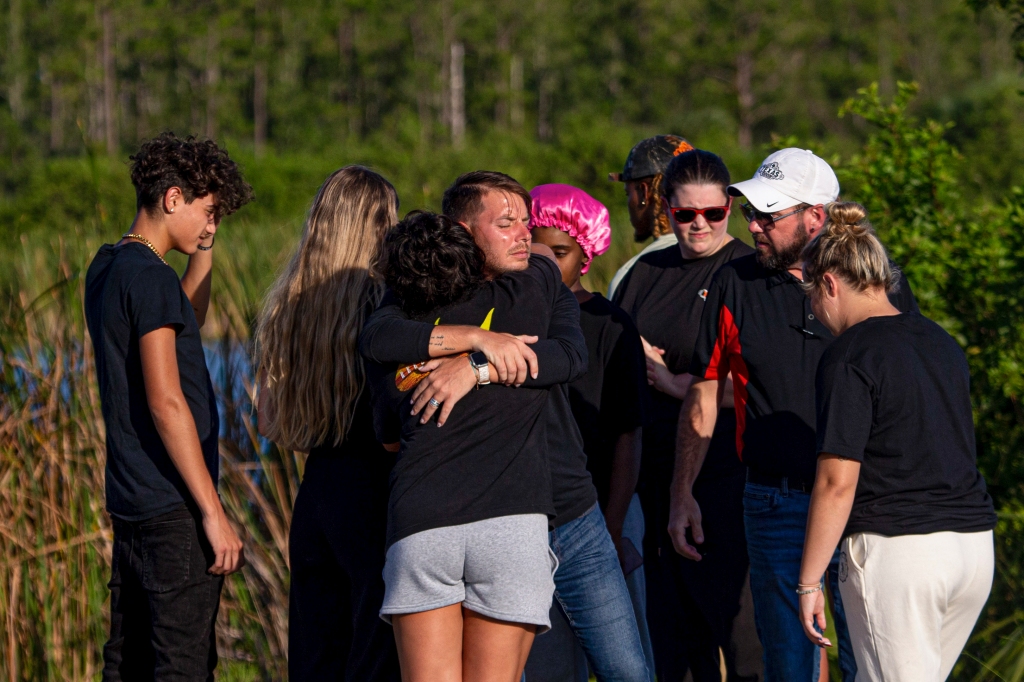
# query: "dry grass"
55,537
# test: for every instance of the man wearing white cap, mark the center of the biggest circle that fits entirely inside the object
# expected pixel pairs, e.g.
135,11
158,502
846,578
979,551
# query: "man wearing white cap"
757,323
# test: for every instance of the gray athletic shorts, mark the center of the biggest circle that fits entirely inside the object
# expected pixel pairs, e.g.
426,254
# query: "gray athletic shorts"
500,567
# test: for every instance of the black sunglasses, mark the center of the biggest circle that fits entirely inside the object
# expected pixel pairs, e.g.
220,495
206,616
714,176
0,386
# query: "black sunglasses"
765,220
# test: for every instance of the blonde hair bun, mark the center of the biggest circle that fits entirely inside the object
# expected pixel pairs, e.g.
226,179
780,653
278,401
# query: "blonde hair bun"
847,219
848,247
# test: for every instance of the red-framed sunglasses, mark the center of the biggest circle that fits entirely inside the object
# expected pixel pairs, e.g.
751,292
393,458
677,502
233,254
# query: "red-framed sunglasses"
687,214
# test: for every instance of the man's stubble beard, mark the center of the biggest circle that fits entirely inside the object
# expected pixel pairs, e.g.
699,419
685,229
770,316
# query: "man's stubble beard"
787,257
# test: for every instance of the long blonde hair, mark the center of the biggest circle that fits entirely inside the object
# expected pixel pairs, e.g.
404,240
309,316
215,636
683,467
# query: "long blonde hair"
848,247
312,315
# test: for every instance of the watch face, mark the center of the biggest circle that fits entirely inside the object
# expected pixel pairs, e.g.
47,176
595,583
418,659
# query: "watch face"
478,359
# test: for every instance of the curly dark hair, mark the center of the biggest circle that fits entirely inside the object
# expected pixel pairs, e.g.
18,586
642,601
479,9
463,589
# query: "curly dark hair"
463,200
198,167
429,261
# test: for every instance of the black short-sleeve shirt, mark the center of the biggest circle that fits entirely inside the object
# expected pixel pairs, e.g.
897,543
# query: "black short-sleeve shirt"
129,292
664,294
894,394
612,397
488,459
758,324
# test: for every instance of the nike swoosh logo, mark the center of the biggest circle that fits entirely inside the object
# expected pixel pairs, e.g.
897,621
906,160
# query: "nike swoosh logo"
771,204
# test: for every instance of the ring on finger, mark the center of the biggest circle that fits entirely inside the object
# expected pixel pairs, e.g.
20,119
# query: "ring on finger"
434,403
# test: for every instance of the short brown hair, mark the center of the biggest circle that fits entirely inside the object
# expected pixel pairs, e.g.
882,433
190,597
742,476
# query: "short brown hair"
464,198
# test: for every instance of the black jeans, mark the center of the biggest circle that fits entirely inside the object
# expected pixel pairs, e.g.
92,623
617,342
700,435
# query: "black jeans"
337,558
694,608
163,603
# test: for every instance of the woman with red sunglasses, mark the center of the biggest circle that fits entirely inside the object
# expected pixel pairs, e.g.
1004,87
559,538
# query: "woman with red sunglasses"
693,603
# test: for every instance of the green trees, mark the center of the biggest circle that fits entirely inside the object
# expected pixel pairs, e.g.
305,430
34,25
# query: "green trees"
306,74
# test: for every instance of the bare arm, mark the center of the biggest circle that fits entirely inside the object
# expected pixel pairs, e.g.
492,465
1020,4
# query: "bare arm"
696,425
197,280
625,474
390,336
177,429
835,486
661,378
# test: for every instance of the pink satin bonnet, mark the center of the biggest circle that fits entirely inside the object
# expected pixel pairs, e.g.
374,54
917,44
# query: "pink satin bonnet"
574,211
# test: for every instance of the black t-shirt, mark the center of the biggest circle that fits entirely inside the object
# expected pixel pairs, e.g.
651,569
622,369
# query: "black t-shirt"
758,324
612,397
894,394
488,460
390,336
129,292
664,295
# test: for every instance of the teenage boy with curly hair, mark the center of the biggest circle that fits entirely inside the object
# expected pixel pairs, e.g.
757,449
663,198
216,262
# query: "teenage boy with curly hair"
173,543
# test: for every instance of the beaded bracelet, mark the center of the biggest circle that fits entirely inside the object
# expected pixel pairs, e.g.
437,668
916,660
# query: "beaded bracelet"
810,590
207,248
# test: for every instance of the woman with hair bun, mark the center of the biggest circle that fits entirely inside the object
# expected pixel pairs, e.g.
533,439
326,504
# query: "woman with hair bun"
897,484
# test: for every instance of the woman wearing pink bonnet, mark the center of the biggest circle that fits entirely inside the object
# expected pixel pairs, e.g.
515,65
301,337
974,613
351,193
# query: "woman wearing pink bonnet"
610,402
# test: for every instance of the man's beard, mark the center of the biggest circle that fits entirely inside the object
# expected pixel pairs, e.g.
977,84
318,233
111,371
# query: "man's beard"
784,259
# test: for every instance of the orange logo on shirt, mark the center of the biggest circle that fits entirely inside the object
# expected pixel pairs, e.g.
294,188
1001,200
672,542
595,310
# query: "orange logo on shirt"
703,293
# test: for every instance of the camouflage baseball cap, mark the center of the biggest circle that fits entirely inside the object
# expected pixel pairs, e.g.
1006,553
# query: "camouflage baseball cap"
650,157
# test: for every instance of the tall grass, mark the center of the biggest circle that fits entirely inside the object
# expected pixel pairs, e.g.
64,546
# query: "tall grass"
55,537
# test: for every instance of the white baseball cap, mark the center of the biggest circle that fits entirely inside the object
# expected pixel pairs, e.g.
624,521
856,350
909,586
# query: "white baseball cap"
787,178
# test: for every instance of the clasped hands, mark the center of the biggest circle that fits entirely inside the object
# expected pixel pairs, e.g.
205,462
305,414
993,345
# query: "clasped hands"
511,360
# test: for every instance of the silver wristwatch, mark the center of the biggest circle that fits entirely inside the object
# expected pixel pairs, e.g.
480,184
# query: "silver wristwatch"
478,361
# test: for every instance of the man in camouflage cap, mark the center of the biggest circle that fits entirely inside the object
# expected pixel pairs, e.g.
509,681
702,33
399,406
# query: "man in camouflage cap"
642,177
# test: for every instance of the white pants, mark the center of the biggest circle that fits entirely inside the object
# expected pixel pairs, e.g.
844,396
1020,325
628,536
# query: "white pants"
911,601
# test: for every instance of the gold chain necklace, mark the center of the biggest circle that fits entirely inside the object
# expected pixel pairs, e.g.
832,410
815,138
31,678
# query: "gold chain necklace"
132,235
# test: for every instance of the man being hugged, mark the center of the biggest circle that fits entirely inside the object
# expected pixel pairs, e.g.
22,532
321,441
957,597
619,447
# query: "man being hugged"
173,544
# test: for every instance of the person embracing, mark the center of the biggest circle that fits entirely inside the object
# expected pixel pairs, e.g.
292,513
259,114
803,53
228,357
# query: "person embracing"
897,486
468,573
589,585
173,543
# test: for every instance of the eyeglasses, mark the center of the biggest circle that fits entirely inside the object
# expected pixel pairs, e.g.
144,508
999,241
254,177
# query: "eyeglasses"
765,220
686,214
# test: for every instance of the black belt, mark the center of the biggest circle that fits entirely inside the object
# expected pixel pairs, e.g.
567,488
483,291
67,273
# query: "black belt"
788,482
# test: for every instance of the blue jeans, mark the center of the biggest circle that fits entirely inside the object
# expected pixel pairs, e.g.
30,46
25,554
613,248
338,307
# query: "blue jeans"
776,520
591,590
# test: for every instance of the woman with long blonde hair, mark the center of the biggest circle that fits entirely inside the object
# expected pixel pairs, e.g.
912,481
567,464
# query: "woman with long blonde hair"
313,398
